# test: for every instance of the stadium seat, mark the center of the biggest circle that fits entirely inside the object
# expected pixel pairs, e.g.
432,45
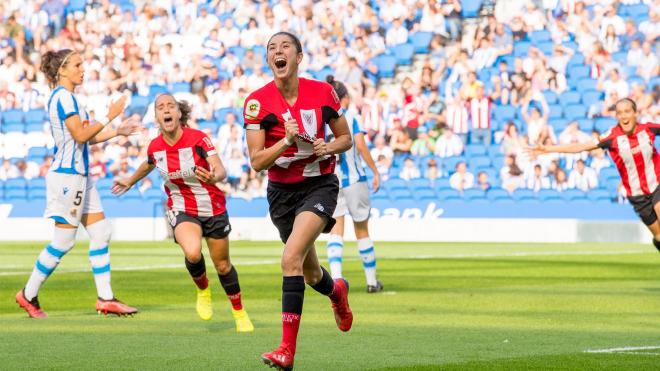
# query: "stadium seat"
442,183
210,125
17,127
498,161
12,116
555,201
221,113
76,6
540,36
475,150
451,162
15,194
606,173
156,89
470,8
380,195
575,112
547,47
396,183
37,152
585,84
590,97
576,60
138,104
448,194
424,194
15,183
474,194
603,124
555,111
522,193
558,124
404,54
36,183
419,184
548,194
132,193
569,97
386,65
599,194
34,127
104,183
578,71
35,116
477,162
36,194
574,194
521,48
154,194
400,193
180,87
504,112
421,41
550,97
497,193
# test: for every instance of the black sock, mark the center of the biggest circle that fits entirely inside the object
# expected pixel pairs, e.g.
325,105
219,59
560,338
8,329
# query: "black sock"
326,284
229,282
293,294
656,243
196,269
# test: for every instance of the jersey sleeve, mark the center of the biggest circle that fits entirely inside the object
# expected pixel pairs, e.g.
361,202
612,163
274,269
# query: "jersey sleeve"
330,106
358,128
253,113
66,106
605,141
150,154
204,146
654,128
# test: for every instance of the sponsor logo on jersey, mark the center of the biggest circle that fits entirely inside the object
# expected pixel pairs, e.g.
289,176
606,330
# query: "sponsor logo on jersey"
179,174
252,108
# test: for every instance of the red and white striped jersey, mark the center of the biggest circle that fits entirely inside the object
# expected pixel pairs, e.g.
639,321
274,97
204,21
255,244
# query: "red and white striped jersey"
177,165
480,113
635,157
457,118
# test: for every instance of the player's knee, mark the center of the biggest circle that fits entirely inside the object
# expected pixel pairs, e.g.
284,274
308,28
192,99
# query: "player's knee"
312,276
291,263
100,231
223,267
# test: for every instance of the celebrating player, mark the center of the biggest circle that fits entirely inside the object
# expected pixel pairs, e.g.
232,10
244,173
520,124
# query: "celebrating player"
353,197
72,197
630,145
190,167
285,122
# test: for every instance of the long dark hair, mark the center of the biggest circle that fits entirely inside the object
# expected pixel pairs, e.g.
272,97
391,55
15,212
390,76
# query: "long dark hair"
339,86
51,62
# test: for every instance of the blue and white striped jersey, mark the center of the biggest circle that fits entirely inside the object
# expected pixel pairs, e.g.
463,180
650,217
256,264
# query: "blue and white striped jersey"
350,169
70,157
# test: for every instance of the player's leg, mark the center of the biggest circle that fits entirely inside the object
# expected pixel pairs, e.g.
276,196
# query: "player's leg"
335,247
64,198
655,226
216,230
188,234
357,197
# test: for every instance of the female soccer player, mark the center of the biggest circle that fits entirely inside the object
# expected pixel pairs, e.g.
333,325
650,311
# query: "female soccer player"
353,197
190,167
72,197
285,122
631,146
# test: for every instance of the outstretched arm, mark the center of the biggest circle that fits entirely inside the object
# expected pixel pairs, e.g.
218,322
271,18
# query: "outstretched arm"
122,185
562,148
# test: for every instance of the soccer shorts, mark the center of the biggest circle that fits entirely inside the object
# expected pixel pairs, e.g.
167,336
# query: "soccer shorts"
354,200
216,227
70,196
316,194
643,206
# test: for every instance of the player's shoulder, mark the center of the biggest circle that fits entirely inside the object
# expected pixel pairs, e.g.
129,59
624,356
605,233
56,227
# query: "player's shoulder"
263,92
156,144
314,85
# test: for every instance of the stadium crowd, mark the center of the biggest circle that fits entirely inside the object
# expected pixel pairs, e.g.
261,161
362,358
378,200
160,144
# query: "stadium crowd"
468,93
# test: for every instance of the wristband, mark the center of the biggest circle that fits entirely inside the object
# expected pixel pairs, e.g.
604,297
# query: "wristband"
287,142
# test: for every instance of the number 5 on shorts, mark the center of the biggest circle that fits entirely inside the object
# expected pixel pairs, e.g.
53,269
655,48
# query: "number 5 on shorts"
78,200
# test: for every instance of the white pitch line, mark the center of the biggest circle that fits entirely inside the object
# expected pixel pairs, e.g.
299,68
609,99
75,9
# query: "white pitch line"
624,349
413,257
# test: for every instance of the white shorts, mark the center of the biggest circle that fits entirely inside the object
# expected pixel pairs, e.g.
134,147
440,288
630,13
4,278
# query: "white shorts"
354,200
70,196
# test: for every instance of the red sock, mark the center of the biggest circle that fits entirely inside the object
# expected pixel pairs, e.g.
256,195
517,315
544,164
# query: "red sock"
236,301
202,282
290,326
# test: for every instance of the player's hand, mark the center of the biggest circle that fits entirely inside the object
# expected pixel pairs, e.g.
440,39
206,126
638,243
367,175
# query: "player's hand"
291,130
116,108
539,149
128,127
320,147
119,187
375,183
205,176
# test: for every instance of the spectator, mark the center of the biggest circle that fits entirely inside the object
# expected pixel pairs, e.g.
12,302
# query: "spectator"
448,144
432,171
8,170
616,83
45,166
410,170
145,185
400,141
397,34
648,65
423,145
631,35
537,181
480,114
456,118
383,166
599,161
482,181
582,177
510,174
461,179
560,183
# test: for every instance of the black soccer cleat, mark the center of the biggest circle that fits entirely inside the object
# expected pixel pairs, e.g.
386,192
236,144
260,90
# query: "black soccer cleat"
377,288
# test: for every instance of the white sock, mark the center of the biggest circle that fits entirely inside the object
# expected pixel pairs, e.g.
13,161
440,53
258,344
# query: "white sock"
99,257
366,248
335,252
63,241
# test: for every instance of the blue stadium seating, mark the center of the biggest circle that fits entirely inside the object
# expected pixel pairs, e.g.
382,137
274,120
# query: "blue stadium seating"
578,71
36,183
15,183
396,183
441,183
323,73
37,194
576,60
404,54
590,97
607,173
419,184
34,127
479,162
132,193
15,194
15,127
475,150
521,48
550,97
537,37
154,194
599,194
546,47
211,125
569,97
504,113
585,84
548,194
399,193
575,111
470,8
221,113
558,124
474,194
106,193
35,116
451,162
76,6
446,194
12,116
386,65
180,87
380,195
555,111
426,194
497,193
603,124
586,125
521,194
574,194
104,183
139,104
156,89
421,41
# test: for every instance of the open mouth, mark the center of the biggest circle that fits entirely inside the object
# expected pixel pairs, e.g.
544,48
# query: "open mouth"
168,119
280,63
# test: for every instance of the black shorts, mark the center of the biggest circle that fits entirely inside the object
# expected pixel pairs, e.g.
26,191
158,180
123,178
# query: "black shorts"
643,206
317,194
217,227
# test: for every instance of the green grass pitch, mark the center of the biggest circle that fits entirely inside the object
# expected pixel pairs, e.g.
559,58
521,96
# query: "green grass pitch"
446,306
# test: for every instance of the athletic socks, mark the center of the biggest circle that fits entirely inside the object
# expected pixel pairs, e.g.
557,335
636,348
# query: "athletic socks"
293,294
656,243
198,273
326,285
335,251
63,241
99,257
229,282
366,248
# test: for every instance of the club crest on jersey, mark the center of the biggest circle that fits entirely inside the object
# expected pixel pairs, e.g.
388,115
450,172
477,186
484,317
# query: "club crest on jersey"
252,108
309,121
